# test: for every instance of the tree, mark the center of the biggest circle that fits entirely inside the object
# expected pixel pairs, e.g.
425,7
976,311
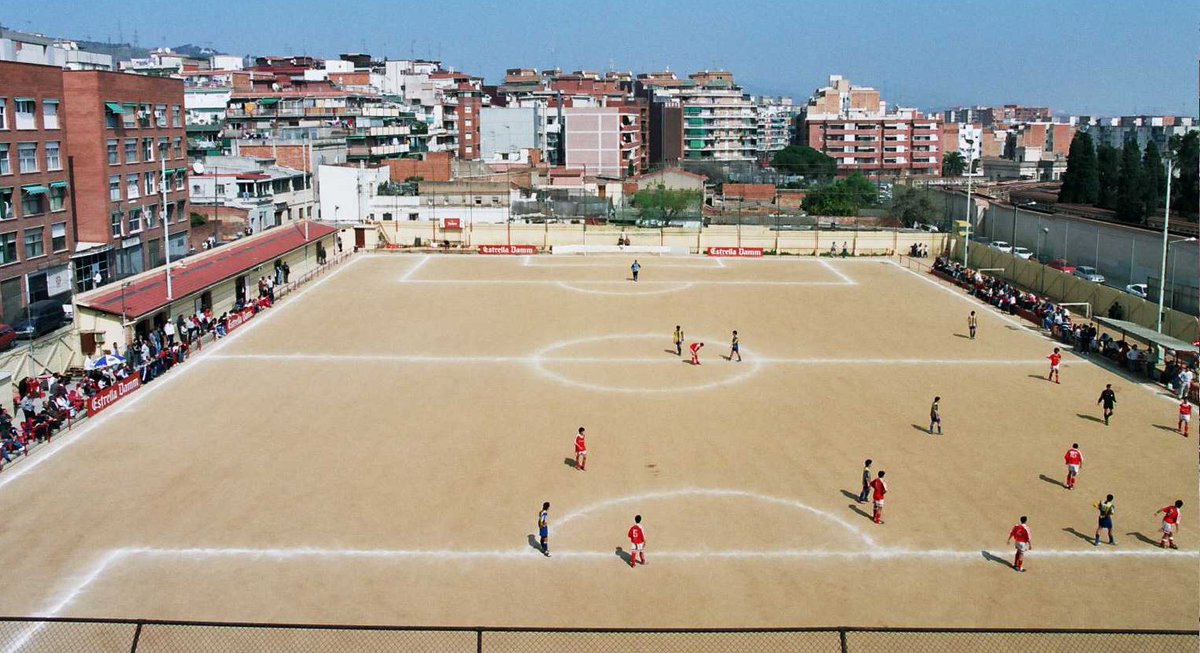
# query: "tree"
844,197
1010,146
1080,183
1129,187
912,206
1185,190
197,219
660,202
1154,179
805,161
953,164
1108,160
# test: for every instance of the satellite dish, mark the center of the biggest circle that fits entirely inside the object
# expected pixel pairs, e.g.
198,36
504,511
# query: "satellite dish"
198,168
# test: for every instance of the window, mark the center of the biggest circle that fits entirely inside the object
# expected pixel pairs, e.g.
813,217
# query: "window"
57,195
114,188
143,116
3,113
177,147
8,248
160,115
130,115
31,201
195,189
115,222
6,209
220,189
468,122
33,243
114,156
147,149
25,113
111,110
148,178
180,214
135,220
131,187
170,213
175,119
5,164
49,114
131,150
53,160
58,237
151,212
27,157
180,180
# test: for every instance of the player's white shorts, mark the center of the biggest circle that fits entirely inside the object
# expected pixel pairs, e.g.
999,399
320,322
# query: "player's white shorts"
1022,546
581,452
1073,469
638,547
1185,418
1168,529
1053,368
878,503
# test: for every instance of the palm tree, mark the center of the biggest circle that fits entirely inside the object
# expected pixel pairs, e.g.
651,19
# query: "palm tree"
953,164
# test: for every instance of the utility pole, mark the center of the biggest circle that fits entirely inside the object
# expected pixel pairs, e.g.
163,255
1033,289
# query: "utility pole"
162,160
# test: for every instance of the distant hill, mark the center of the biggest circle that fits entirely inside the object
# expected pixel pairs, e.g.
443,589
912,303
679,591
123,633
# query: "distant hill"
126,51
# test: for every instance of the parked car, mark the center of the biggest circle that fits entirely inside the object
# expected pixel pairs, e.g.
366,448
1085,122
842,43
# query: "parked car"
1089,273
1022,252
1138,290
7,336
42,318
1001,246
1061,265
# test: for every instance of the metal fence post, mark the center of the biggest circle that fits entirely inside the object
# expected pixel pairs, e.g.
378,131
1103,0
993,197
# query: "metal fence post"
137,634
478,640
842,640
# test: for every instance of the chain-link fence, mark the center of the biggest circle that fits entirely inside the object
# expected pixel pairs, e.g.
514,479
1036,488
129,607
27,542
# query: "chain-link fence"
65,635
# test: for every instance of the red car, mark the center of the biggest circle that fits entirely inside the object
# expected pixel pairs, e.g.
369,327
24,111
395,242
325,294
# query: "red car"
1062,265
7,336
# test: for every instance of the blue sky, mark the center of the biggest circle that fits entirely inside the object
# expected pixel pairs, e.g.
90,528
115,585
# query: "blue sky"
1075,56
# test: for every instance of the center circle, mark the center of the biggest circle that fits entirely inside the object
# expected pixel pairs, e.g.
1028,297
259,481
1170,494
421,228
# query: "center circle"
627,290
652,351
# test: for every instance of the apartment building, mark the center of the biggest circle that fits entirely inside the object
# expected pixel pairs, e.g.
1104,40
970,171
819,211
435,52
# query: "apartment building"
258,191
22,47
122,131
719,120
1004,114
1143,129
855,127
774,124
36,208
592,140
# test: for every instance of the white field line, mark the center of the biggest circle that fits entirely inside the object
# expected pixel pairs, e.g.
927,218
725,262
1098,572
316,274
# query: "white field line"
644,282
413,269
848,281
658,265
1152,389
600,360
65,599
71,437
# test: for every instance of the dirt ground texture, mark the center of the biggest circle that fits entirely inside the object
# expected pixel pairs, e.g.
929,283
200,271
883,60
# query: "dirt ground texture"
376,449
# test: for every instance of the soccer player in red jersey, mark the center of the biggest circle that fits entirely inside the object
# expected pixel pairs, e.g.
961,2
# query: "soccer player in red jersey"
1055,359
1170,524
580,451
695,349
878,490
637,542
1074,461
1020,535
1185,416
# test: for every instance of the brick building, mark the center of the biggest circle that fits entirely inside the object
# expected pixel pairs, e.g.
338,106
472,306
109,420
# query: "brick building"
856,128
36,210
121,130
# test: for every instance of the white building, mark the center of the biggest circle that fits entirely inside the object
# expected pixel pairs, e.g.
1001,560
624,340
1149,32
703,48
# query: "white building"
346,192
37,49
271,195
774,124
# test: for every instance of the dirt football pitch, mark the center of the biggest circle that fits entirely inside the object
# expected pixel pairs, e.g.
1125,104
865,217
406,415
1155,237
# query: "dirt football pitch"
375,450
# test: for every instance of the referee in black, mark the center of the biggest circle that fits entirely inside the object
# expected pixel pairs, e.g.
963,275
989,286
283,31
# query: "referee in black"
1109,399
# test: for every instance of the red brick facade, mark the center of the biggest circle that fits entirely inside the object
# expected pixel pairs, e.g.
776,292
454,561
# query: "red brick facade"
116,125
878,145
36,211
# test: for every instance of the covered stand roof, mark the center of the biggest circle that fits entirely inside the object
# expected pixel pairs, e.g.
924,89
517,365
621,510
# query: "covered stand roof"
148,293
1146,334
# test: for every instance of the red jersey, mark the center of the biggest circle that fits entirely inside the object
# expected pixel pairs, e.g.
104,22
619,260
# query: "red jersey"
1054,359
1170,515
1020,533
1185,409
694,347
579,444
636,536
879,487
1073,457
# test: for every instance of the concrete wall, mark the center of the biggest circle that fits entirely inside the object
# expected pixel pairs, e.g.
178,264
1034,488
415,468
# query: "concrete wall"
1124,255
1048,282
546,236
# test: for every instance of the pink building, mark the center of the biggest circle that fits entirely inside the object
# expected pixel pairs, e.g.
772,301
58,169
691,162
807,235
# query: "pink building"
593,140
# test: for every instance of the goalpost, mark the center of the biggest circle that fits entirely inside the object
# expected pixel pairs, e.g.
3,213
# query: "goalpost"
1079,308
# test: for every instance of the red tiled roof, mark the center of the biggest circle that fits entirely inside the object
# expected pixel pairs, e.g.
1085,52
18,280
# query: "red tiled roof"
149,294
